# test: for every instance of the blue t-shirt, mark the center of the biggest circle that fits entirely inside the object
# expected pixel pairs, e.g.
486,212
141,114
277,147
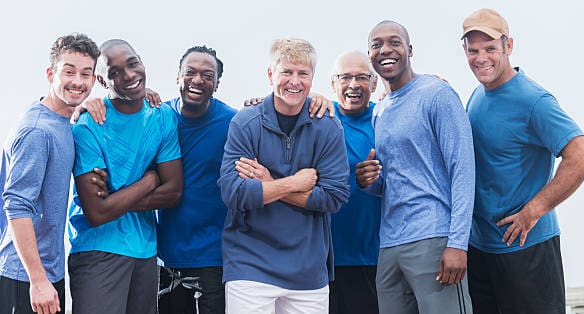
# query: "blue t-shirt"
518,130
35,173
126,145
355,227
189,236
423,140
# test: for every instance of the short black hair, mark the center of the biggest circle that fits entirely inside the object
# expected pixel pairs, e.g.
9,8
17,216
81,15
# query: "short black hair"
75,42
207,50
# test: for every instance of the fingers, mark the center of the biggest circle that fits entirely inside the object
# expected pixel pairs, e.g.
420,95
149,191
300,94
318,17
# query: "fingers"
371,154
253,101
153,98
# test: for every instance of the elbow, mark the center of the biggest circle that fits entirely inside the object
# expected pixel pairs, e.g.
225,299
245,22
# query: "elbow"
175,198
94,219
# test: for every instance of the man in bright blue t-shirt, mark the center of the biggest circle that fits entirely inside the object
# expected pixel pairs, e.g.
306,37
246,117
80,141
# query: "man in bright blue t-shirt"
189,236
515,263
355,228
113,237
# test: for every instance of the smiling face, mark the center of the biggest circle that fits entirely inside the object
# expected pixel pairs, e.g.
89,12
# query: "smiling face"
488,58
390,52
123,73
353,83
197,80
291,83
71,79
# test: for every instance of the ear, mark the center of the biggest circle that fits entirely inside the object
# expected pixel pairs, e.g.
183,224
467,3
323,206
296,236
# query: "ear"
270,74
374,84
333,83
50,74
509,45
217,85
178,78
101,81
411,53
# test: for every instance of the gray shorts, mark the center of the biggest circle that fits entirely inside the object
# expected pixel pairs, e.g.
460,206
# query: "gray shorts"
406,281
109,283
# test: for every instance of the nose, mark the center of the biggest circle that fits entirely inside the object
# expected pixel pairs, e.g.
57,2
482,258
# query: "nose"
197,78
294,79
353,83
128,74
385,48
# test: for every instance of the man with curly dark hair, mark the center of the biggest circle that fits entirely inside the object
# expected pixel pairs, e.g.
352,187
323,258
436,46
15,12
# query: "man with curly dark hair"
35,172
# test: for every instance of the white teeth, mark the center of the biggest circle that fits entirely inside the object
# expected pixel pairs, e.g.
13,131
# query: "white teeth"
388,61
194,90
352,95
74,91
133,85
293,90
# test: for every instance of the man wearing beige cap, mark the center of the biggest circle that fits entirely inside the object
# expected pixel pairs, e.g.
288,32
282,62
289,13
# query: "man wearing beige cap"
514,260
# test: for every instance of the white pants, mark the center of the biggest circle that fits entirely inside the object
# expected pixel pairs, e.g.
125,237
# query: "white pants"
243,296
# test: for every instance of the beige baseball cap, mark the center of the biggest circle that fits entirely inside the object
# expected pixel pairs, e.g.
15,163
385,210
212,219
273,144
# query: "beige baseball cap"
487,21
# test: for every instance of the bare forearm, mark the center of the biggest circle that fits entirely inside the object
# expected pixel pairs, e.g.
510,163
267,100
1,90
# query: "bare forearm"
297,199
103,210
568,178
164,196
277,189
26,247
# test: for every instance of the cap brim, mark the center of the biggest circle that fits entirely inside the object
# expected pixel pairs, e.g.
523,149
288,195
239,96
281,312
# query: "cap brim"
483,29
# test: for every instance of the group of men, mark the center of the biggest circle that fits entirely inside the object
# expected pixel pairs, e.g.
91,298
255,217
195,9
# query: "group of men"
252,203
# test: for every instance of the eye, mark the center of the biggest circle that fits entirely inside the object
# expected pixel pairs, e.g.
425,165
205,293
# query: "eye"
395,43
375,45
491,49
208,76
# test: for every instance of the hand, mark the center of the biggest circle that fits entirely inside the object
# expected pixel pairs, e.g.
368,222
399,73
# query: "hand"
368,170
452,266
252,169
153,98
100,180
319,105
44,299
152,177
253,101
95,107
521,223
305,179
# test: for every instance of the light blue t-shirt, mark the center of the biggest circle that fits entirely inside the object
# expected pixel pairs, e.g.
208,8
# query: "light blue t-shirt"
423,140
35,173
518,130
127,145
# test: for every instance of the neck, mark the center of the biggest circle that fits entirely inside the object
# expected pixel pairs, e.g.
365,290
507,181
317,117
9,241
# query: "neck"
283,108
355,112
193,111
58,106
127,106
398,82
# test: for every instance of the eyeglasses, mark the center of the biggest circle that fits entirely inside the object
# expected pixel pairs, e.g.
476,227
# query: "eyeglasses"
360,78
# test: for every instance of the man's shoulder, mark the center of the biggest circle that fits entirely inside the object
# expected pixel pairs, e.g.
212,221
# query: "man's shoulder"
248,114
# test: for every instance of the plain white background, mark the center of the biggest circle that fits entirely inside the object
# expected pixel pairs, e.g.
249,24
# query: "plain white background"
545,34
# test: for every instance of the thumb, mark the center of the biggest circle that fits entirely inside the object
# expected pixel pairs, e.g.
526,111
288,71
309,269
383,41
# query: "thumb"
440,270
371,154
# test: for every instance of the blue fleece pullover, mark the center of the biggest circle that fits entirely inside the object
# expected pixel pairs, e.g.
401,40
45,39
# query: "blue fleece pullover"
278,243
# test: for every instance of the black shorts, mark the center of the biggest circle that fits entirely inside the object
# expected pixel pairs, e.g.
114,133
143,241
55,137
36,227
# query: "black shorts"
526,281
353,290
180,300
15,296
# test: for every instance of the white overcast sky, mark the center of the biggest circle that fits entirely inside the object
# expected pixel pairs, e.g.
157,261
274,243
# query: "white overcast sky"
546,47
